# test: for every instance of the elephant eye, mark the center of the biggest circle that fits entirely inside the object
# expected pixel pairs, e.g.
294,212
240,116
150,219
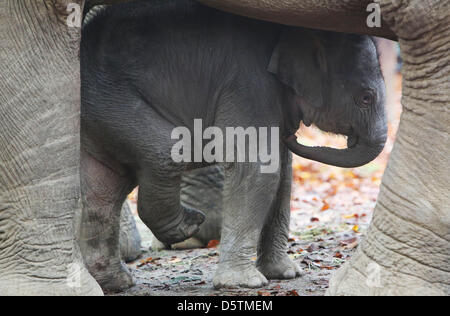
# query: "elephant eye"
365,99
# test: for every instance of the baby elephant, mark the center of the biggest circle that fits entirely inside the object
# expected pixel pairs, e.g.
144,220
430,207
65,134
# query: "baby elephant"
152,71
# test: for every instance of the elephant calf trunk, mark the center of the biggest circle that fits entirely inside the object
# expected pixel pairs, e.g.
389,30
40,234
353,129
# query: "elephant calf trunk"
359,152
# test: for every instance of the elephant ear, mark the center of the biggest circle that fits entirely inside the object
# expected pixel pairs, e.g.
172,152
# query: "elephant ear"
299,61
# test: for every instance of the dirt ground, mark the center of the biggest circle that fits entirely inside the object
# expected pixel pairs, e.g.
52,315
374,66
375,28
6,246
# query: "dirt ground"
189,273
331,210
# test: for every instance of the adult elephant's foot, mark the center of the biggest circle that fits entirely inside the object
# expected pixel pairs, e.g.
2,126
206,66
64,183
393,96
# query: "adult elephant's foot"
235,277
121,281
75,280
187,225
398,257
112,278
282,269
364,277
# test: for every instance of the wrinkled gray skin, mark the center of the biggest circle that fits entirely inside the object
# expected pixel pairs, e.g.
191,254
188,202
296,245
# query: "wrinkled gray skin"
39,76
143,77
202,190
130,240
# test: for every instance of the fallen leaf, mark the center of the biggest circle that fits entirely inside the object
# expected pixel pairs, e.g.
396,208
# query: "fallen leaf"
349,241
338,255
351,246
325,206
350,174
147,261
263,293
213,244
292,293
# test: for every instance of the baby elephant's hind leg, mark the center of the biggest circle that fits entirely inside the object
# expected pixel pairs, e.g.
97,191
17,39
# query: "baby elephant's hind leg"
103,193
161,210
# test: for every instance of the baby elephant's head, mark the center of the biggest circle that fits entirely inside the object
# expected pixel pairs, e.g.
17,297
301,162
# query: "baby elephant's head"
334,82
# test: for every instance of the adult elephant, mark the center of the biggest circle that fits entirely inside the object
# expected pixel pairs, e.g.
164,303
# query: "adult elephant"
407,248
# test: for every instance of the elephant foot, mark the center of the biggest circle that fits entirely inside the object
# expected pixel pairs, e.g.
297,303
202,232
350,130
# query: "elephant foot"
118,281
228,277
130,239
156,245
364,277
282,269
191,243
77,282
188,226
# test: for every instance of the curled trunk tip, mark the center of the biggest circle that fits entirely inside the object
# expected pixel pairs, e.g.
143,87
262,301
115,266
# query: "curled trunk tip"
359,153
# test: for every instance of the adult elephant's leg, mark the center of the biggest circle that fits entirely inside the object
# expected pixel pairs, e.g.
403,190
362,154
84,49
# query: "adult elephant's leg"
273,260
39,152
103,194
407,248
130,239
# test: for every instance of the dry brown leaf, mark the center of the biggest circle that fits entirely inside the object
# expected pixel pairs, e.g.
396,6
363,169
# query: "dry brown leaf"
325,206
292,293
213,244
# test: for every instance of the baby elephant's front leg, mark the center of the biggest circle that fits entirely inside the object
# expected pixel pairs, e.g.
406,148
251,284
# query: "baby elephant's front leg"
248,197
273,260
161,210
